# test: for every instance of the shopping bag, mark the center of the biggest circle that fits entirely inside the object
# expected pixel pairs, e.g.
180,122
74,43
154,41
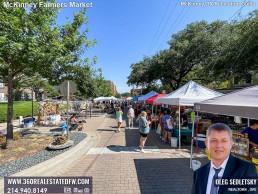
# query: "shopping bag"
158,129
169,124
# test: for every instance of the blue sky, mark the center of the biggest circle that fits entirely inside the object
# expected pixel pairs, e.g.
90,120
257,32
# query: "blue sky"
127,30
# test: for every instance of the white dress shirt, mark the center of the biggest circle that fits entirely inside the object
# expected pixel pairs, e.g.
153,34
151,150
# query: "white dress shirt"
212,173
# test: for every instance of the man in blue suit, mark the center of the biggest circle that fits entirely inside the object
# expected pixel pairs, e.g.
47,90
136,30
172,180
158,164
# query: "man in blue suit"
219,143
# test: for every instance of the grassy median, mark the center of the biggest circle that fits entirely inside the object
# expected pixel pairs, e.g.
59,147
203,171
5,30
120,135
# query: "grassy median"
20,108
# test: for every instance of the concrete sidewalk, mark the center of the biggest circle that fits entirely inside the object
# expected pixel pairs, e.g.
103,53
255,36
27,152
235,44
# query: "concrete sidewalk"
3,126
117,166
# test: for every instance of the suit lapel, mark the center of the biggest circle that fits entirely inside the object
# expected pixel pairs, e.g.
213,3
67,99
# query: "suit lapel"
205,178
228,171
229,167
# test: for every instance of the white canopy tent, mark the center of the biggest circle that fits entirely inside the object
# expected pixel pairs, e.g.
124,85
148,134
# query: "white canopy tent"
112,98
129,98
101,98
187,95
104,98
243,103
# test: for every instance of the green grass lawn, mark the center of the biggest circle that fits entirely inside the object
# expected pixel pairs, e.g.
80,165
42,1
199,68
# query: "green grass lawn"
20,108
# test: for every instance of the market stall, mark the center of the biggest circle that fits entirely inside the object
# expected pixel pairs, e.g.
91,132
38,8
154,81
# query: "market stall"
242,103
152,101
187,95
135,99
146,96
103,98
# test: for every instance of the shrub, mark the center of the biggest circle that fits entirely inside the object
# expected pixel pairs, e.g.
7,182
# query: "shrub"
3,143
16,135
1,138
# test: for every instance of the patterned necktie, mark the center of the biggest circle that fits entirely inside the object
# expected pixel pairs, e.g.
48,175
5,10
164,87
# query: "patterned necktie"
214,188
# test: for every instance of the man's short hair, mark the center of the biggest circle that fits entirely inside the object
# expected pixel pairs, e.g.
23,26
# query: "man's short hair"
219,127
253,122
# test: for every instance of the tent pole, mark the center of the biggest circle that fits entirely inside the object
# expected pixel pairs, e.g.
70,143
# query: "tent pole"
155,118
192,141
179,127
248,122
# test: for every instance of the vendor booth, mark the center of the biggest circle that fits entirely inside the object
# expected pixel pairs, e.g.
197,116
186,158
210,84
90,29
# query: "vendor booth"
146,96
152,99
102,98
242,103
187,95
135,99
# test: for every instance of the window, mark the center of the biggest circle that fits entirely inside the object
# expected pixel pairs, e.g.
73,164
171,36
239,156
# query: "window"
1,85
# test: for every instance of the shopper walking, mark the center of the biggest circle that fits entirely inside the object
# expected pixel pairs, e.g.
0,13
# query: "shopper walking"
144,129
161,124
119,114
130,117
168,129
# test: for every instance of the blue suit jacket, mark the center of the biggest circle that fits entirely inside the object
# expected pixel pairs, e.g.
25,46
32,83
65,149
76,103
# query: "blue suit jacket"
235,168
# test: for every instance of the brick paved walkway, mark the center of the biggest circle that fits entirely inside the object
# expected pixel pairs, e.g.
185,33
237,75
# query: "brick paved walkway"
161,170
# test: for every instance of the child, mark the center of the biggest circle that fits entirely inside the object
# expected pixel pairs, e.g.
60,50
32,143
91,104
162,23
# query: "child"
64,128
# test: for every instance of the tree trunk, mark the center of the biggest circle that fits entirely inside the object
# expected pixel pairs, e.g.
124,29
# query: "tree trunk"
10,106
36,91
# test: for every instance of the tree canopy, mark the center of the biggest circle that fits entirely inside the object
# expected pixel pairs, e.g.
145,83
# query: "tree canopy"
207,53
31,42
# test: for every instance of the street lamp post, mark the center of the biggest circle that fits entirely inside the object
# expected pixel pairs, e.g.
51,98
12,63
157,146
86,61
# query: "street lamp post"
32,104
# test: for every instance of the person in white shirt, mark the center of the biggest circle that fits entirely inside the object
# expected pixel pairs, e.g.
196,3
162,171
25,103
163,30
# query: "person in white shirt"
130,116
223,165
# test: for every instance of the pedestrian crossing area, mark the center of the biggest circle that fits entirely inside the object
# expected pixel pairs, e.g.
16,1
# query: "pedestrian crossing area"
122,150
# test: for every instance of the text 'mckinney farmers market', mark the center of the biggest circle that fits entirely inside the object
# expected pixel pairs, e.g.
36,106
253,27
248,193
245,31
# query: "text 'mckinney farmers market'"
72,4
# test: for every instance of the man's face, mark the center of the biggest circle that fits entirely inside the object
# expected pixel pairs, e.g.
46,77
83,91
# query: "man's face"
219,145
256,126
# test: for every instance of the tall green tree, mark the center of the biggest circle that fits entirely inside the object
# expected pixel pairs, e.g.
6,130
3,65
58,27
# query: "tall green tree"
91,83
101,86
31,42
39,86
140,72
237,50
189,50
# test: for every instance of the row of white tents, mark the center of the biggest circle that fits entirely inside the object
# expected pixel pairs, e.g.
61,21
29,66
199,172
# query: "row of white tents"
242,103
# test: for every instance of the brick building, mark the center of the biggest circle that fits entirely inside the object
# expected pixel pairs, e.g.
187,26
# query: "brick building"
112,86
136,92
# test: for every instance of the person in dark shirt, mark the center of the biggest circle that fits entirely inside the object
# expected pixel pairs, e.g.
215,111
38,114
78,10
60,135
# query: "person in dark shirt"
252,132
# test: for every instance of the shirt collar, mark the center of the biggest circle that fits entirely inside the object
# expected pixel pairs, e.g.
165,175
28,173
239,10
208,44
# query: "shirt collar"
223,165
